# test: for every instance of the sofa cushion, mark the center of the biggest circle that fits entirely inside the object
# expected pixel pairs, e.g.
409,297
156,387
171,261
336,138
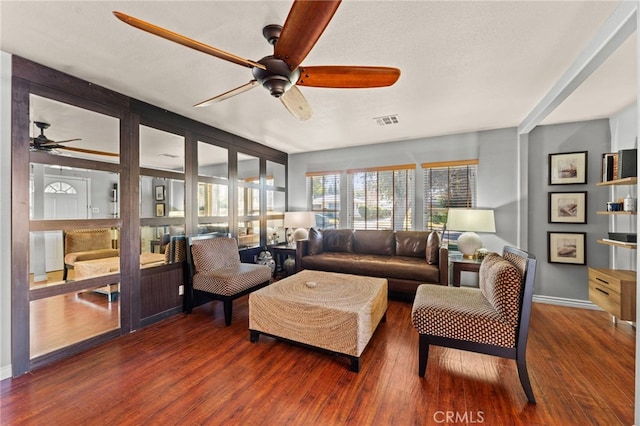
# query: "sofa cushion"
433,248
315,242
374,242
337,240
500,283
411,243
398,267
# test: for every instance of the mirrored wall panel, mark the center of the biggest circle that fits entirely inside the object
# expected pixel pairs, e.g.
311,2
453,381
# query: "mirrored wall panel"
213,161
161,245
161,150
161,197
61,192
61,129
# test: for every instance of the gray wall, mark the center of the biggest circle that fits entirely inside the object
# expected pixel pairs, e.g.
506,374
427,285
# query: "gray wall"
558,280
5,216
498,188
497,185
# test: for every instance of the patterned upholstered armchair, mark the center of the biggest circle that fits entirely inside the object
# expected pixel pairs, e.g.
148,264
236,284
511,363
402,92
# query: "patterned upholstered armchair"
215,272
86,244
492,319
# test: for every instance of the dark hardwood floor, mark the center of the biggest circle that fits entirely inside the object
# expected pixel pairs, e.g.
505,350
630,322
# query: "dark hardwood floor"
194,370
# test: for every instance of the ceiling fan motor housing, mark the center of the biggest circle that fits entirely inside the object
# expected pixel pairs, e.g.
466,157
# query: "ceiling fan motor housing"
277,78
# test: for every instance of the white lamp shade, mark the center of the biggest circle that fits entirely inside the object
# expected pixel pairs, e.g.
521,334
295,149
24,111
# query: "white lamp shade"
470,221
474,220
301,222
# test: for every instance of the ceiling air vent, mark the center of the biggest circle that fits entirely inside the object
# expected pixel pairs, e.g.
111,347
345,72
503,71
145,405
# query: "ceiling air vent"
387,120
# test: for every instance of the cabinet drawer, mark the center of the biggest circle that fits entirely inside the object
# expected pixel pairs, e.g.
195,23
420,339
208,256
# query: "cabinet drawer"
604,281
605,298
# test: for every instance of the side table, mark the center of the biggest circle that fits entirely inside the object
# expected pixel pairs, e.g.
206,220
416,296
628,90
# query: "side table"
463,265
281,252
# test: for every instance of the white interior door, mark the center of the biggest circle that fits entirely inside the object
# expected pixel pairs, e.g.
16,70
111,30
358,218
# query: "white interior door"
69,204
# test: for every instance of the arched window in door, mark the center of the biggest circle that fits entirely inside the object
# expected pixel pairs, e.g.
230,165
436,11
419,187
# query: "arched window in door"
60,188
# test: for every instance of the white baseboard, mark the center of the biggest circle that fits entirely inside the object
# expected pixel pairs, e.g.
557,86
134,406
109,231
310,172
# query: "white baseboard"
562,301
5,372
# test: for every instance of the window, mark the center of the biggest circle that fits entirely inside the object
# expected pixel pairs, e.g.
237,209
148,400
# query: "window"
381,198
59,188
448,184
323,192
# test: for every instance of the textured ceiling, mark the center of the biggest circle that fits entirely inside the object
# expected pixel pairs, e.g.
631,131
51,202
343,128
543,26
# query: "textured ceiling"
466,66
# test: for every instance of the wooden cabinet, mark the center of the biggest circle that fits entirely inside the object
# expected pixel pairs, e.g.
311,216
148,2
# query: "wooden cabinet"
614,290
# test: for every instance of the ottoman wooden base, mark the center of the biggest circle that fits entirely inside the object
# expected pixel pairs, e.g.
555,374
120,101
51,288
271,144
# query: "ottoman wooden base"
333,312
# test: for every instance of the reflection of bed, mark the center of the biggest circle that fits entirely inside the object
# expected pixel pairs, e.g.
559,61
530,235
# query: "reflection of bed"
92,268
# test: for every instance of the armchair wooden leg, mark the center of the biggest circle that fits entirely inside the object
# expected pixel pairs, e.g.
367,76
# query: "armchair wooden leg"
524,378
228,310
65,271
423,354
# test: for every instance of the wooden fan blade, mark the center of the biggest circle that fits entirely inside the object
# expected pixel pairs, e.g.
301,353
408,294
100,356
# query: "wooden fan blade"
64,141
296,103
52,143
348,77
185,41
89,151
230,93
302,29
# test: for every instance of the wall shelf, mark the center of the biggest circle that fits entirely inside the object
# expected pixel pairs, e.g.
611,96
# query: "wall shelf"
631,246
618,213
625,181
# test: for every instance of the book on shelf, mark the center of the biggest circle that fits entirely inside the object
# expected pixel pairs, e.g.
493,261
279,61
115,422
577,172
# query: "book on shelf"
609,166
627,163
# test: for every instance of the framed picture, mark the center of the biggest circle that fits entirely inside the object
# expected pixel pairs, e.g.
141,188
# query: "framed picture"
567,247
568,168
568,207
159,193
159,209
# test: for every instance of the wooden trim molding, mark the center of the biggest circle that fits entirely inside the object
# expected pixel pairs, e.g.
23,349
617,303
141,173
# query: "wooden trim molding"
383,168
456,163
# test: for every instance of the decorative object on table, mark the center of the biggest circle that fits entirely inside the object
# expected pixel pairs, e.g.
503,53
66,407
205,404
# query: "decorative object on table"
265,258
568,168
567,247
614,206
159,209
159,192
481,253
470,221
629,204
568,207
300,222
290,265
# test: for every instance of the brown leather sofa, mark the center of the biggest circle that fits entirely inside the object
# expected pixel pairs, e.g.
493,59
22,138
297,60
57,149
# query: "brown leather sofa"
405,258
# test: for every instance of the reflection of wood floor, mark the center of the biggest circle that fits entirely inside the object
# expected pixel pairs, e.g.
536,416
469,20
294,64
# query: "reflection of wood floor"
191,369
59,321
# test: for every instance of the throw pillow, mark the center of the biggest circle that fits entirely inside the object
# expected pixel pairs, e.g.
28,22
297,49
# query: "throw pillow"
433,248
315,241
338,240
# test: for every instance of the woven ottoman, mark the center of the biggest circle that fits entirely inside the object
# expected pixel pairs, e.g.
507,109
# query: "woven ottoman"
325,310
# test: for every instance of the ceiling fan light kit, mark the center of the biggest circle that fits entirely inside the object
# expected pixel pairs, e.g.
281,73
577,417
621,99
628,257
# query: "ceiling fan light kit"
281,72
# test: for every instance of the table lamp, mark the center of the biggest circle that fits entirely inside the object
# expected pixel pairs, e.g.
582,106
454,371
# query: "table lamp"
470,221
301,222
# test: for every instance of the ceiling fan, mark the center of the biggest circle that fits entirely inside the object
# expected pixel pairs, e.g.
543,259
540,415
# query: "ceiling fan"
43,143
282,72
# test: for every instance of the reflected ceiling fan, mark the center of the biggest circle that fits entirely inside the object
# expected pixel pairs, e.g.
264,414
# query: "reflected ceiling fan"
282,72
43,143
